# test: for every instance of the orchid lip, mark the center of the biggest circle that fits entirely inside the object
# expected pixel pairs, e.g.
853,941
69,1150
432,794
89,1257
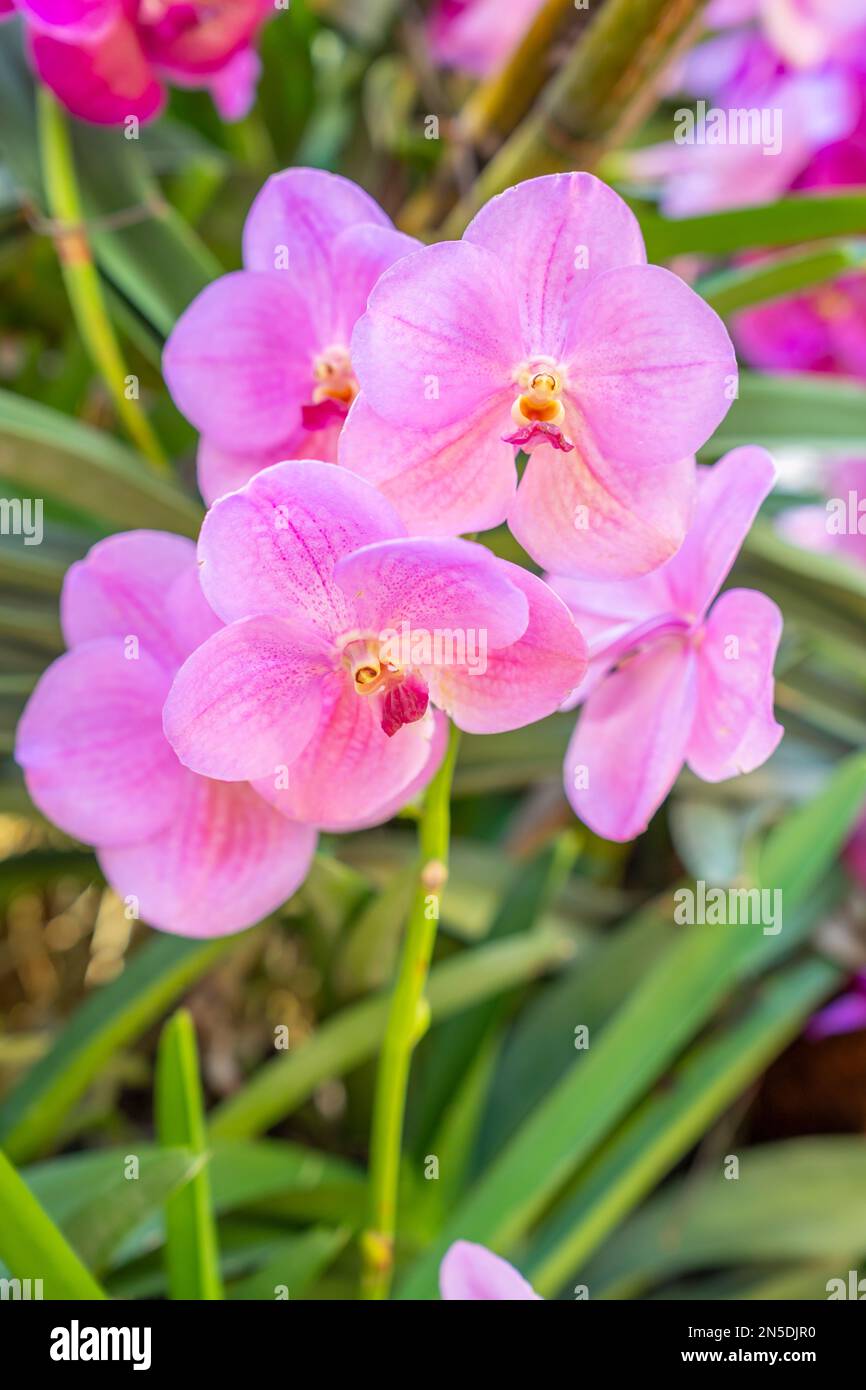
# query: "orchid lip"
402,695
538,411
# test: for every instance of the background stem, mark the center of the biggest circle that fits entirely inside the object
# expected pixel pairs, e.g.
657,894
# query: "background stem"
602,93
407,1022
81,276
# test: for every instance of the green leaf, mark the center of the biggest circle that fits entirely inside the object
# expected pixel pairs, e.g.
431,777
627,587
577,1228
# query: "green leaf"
794,1200
294,1266
658,1135
796,853
353,1035
797,410
32,1247
741,286
675,998
143,246
801,217
33,1113
277,1179
191,1251
42,451
126,1197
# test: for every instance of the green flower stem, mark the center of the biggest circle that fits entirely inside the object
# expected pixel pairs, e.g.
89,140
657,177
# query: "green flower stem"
408,1018
80,274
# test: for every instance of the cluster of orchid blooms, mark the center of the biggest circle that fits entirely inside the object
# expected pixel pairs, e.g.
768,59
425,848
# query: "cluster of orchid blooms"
362,401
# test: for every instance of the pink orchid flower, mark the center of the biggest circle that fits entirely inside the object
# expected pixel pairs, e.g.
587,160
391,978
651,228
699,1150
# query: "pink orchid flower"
320,688
260,362
822,330
107,60
847,1014
672,679
471,1273
477,36
543,330
834,527
200,857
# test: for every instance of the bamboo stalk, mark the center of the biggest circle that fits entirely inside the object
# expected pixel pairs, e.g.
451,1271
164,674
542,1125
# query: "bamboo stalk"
603,92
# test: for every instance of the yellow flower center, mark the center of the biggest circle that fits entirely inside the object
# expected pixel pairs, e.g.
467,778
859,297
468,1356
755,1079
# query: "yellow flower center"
539,402
335,380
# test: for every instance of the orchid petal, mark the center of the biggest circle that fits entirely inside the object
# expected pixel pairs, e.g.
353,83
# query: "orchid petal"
734,729
272,546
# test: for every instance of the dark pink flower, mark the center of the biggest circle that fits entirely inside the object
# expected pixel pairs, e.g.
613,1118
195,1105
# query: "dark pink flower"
472,1273
108,60
199,857
260,362
543,330
343,634
676,677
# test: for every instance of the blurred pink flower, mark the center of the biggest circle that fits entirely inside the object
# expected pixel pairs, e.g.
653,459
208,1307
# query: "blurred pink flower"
543,330
259,362
477,36
107,60
788,89
847,1014
672,678
472,1273
200,857
823,330
839,526
308,692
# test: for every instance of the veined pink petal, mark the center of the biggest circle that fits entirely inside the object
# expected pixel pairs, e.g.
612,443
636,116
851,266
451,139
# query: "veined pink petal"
272,546
432,585
360,254
120,590
554,235
293,226
471,1273
239,363
225,860
91,744
521,683
583,514
651,367
351,775
728,497
631,740
105,81
442,482
734,729
441,334
247,700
